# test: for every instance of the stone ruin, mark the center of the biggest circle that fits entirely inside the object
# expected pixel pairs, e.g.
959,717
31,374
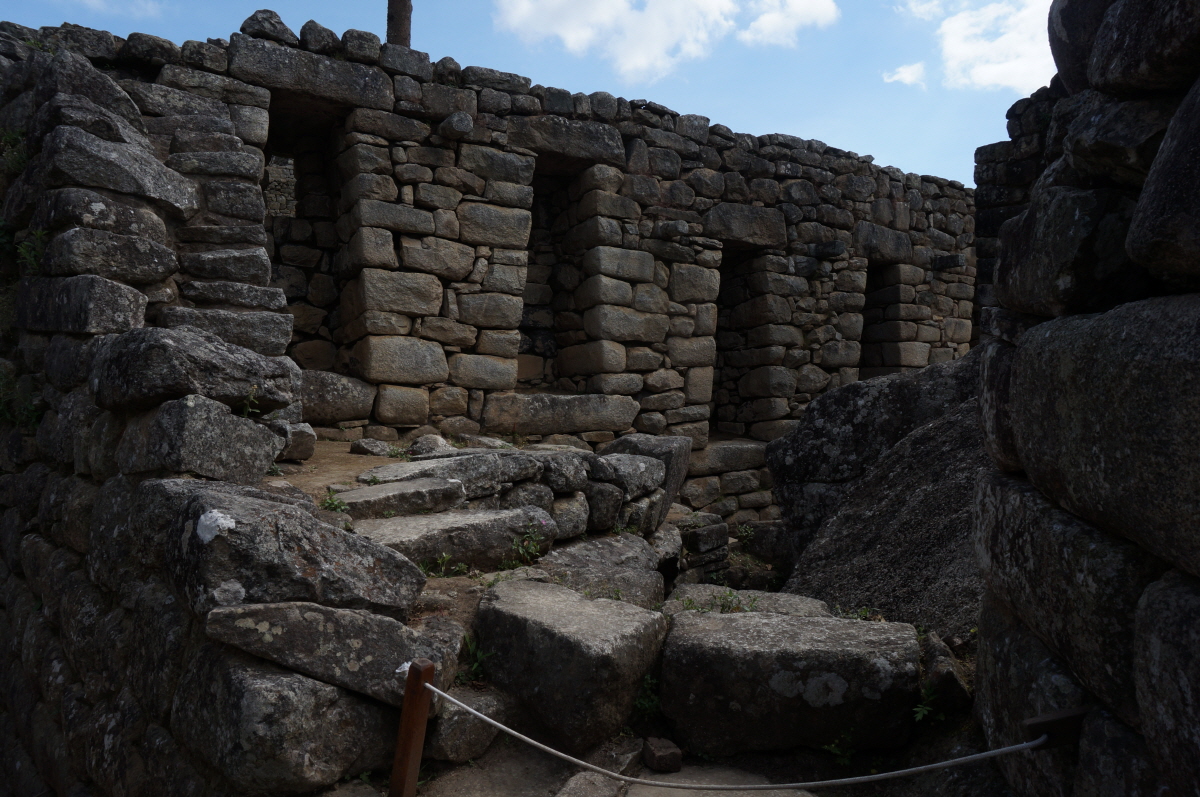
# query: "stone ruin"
560,330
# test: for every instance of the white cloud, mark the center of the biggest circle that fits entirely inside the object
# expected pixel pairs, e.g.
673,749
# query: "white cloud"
645,39
139,9
922,9
910,75
1000,45
779,20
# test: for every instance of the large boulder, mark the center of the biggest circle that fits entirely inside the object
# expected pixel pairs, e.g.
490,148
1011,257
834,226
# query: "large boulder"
748,681
1077,588
269,730
1146,47
1095,430
85,304
576,664
485,539
350,648
1073,26
900,542
331,398
225,550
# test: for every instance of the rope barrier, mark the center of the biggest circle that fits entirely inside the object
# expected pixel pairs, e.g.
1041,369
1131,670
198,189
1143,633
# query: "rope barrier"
971,759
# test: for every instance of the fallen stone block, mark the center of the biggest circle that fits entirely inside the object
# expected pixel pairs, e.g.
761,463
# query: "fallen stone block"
225,550
480,474
403,498
350,648
601,553
267,729
482,539
675,454
590,656
636,475
197,435
760,681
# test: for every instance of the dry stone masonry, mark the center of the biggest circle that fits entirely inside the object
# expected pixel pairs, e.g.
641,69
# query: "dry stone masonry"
220,254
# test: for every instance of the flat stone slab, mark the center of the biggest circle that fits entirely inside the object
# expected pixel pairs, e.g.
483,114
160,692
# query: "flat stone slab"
404,498
621,551
360,651
589,656
761,681
480,474
517,413
481,539
723,456
722,600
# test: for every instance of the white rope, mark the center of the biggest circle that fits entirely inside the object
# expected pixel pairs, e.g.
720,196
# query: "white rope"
971,759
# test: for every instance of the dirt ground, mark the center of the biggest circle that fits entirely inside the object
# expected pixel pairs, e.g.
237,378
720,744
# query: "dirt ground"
332,464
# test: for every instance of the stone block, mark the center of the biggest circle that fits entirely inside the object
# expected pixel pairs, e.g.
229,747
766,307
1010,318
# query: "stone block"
392,292
1144,48
727,455
623,264
124,258
768,381
841,354
1114,760
761,310
691,283
512,413
698,385
341,82
330,398
482,371
603,203
745,224
391,216
596,357
1092,430
264,332
446,259
775,681
1077,588
401,406
498,342
615,384
528,624
448,332
490,310
458,736
482,539
399,360
610,322
251,266
599,289
85,304
414,497
692,352
566,143
197,435
490,225
909,354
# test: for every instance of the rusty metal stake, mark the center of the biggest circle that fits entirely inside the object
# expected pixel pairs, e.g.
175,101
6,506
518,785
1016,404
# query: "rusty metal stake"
411,739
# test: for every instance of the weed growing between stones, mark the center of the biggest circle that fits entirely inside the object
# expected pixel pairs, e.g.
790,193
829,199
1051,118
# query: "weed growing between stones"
441,567
396,452
473,668
30,252
842,750
526,549
14,157
333,503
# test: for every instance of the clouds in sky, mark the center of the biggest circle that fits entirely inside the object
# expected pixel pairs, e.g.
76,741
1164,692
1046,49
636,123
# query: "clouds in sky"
911,75
988,45
645,40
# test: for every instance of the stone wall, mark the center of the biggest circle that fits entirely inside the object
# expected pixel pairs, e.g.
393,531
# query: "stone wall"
1086,527
436,249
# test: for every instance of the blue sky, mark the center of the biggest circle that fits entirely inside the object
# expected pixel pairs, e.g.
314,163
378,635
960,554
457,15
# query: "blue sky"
916,83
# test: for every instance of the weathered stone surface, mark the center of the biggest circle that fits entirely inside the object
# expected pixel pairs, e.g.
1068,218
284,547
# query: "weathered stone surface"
402,406
483,371
610,322
745,224
490,310
197,435
446,259
693,283
330,398
482,539
1114,760
459,737
727,455
1163,235
1073,26
674,452
77,111
722,600
300,441
564,143
481,474
392,292
899,539
403,498
592,656
636,475
71,73
1080,390
570,514
225,550
759,681
75,157
268,729
1117,141
263,64
266,24
1167,669
252,266
879,244
65,208
386,125
595,357
1075,587
624,551
599,289
490,225
86,304
1144,47
145,367
623,264
1064,254
264,332
350,648
234,294
399,360
155,100
1016,678
216,87
513,413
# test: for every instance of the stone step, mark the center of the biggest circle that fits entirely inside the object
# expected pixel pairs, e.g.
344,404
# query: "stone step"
480,539
403,498
480,474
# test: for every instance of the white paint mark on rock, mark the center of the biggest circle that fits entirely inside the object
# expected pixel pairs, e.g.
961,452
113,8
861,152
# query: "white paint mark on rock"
212,523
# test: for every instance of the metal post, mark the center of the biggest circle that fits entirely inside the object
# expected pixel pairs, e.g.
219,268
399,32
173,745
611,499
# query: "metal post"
411,739
399,22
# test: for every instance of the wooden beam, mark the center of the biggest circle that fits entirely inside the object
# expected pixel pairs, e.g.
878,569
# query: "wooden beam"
410,742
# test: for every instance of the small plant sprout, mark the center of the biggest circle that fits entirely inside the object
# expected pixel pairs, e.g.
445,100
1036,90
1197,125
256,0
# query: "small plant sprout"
333,503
